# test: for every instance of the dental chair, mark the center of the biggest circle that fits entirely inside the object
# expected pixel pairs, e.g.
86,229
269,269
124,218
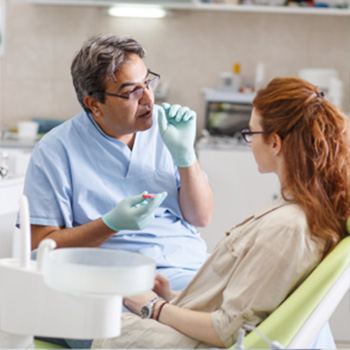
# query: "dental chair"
298,320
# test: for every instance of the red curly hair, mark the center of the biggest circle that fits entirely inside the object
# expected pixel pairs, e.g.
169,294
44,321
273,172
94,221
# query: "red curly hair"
316,150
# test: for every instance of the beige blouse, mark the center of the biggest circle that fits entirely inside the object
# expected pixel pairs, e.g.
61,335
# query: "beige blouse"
252,270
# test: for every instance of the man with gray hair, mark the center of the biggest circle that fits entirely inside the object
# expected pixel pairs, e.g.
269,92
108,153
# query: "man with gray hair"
87,177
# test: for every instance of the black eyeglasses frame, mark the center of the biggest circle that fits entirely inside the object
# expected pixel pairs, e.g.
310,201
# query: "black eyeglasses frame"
156,77
247,132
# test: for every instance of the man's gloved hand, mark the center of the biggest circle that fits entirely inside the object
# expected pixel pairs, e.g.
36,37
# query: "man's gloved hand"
133,213
177,127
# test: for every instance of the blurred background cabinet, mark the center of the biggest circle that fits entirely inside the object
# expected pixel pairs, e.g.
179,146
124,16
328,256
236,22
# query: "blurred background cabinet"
11,189
10,193
239,189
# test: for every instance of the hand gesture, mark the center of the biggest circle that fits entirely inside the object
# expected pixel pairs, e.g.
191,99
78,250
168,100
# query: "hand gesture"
177,127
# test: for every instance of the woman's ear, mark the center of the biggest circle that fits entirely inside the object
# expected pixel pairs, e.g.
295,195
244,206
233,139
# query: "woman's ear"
276,144
94,105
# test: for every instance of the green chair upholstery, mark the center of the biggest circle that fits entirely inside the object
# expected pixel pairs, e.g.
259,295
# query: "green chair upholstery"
299,319
40,344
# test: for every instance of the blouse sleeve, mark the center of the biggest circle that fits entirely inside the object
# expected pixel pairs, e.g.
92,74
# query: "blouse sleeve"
280,258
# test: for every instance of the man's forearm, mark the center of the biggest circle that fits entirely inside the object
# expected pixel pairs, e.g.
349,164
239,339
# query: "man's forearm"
92,234
196,197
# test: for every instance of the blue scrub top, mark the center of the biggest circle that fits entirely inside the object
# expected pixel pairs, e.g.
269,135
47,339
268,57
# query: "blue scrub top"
77,173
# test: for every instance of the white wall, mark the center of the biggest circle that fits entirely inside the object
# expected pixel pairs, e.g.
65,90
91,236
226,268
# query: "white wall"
189,50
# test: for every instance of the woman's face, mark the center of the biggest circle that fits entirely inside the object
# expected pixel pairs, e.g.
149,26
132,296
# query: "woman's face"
263,150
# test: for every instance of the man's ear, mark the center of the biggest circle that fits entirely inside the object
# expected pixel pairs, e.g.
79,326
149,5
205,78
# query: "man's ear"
276,144
94,105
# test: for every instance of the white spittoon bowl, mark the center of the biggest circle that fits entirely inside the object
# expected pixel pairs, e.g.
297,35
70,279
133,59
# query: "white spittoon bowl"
97,271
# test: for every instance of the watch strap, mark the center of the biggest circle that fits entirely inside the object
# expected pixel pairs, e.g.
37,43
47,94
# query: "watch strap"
156,317
150,305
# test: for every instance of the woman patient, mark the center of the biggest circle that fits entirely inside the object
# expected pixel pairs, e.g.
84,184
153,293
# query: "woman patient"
297,134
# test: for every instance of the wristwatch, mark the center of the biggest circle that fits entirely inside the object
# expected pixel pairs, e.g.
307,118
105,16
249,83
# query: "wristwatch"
147,308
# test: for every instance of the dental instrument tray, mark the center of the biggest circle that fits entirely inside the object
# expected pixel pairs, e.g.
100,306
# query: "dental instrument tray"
97,271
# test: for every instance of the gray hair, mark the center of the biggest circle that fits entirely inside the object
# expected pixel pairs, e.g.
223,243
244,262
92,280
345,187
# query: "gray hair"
98,59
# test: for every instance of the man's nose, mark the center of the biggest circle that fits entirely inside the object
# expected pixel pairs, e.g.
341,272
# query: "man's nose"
147,97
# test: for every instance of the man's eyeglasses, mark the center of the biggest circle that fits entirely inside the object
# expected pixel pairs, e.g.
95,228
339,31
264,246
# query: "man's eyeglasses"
247,134
136,94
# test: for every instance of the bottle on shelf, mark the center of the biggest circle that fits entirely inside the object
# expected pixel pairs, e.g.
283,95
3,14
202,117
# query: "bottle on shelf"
236,76
259,76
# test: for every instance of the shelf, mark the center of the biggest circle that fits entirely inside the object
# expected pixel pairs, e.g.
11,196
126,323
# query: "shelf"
227,95
180,4
274,9
197,5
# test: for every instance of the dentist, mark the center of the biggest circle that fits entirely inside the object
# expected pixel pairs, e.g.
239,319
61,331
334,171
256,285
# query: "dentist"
86,177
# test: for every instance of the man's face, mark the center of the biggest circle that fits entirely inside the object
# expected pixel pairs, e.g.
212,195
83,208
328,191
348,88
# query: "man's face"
119,117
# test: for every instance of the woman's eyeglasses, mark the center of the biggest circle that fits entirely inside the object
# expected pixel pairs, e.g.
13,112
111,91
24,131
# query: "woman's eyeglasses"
247,134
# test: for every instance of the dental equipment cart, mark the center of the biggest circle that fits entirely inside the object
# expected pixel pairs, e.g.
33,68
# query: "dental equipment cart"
66,293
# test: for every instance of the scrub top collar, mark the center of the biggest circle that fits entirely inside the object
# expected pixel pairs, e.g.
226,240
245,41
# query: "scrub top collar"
110,138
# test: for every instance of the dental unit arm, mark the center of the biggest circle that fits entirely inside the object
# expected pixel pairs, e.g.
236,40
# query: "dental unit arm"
67,293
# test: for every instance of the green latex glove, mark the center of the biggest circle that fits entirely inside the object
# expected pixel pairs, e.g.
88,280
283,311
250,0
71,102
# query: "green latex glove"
177,127
133,213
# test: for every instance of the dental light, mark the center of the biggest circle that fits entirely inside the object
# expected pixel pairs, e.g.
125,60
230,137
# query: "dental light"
137,11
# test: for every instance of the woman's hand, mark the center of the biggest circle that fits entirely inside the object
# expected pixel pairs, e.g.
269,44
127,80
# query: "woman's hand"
135,303
162,287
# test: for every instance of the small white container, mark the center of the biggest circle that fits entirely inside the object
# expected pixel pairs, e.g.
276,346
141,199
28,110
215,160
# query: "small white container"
226,78
27,130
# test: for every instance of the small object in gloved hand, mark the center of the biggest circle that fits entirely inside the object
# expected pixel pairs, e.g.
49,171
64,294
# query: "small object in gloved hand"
133,213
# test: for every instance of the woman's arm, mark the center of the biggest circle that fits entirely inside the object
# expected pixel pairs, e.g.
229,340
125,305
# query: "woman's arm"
195,324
